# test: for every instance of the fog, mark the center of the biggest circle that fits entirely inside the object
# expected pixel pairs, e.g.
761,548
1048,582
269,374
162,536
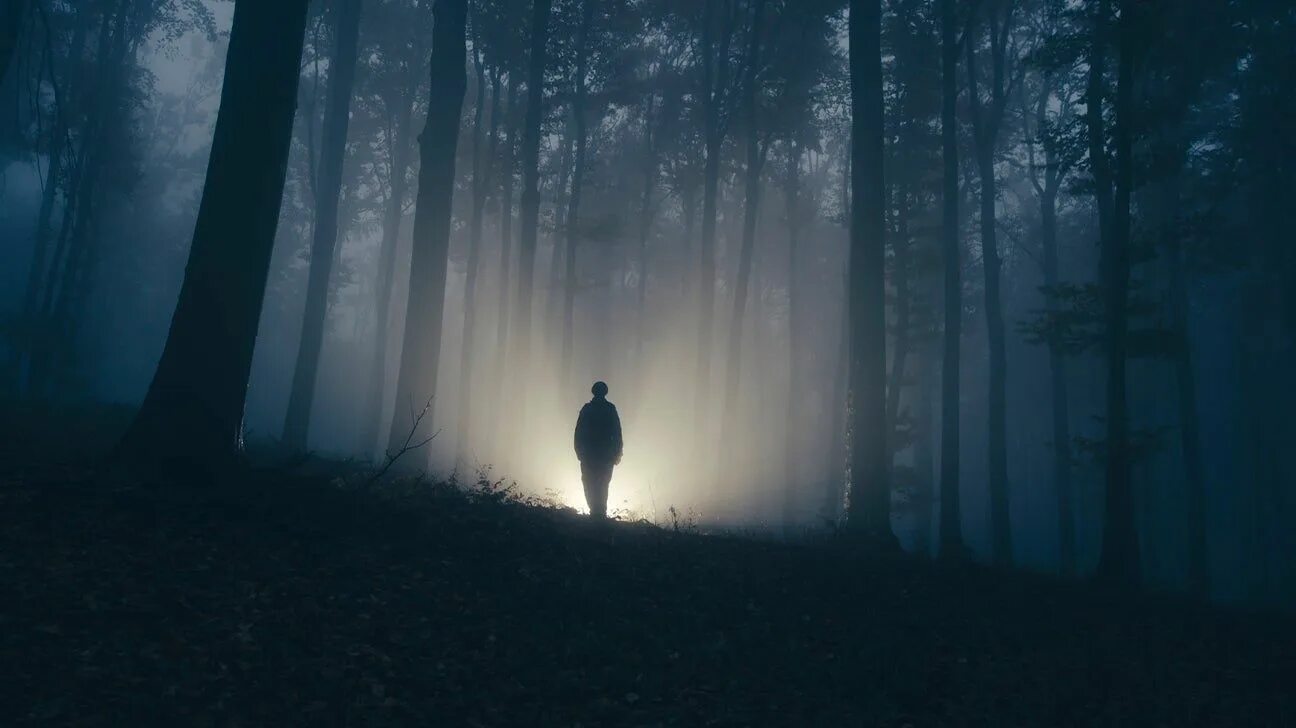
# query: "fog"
770,458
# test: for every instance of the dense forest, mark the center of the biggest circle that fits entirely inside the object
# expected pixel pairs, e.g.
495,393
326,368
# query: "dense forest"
998,280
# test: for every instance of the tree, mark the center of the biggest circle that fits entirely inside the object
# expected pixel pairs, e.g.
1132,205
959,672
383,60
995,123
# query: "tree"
421,353
483,168
396,76
951,524
718,21
333,142
1119,559
530,204
870,494
987,120
1055,134
193,412
580,124
757,150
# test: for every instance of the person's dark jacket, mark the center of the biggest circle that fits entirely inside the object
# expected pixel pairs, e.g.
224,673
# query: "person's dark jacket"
598,433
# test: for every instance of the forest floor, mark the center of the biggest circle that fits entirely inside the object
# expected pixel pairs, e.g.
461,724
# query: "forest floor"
300,599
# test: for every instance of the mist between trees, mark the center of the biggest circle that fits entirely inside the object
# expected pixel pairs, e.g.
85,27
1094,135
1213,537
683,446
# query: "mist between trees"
1058,245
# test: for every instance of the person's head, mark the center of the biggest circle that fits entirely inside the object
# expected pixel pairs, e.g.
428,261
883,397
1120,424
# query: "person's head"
599,390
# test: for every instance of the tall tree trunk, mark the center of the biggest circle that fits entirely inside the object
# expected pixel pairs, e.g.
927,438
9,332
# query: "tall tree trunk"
951,518
530,204
870,501
573,227
1186,393
424,318
1119,558
482,169
751,211
1058,388
192,414
332,156
997,430
986,134
645,230
838,451
792,435
715,74
924,456
399,161
900,353
506,255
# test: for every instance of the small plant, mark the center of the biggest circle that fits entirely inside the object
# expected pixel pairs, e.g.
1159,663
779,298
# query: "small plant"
682,522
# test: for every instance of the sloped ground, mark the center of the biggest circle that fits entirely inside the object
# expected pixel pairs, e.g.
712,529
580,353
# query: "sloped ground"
282,600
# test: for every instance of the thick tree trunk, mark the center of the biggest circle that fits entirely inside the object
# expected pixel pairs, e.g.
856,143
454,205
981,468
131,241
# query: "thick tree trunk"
870,501
399,162
573,227
424,318
530,204
342,68
951,518
193,412
1119,558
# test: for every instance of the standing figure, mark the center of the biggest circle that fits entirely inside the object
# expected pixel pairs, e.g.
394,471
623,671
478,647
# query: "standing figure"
599,447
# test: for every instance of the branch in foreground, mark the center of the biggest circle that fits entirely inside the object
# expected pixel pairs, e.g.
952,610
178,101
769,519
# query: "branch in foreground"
408,444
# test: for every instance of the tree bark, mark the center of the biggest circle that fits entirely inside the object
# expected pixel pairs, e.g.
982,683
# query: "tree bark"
333,141
192,415
870,502
424,318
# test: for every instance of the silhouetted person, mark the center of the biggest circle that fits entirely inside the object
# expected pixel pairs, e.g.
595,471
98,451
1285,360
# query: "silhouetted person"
598,446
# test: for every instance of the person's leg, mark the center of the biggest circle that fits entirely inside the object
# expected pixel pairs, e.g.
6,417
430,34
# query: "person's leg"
589,479
602,480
